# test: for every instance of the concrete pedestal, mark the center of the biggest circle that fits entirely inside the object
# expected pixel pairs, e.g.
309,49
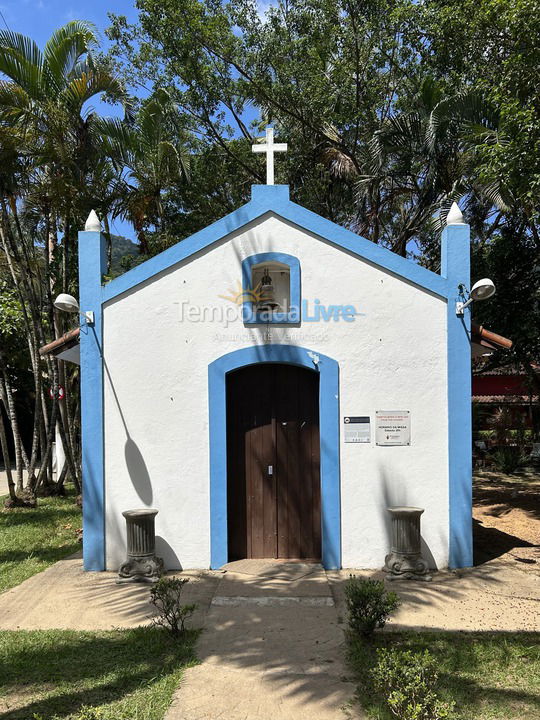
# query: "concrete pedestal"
141,565
405,558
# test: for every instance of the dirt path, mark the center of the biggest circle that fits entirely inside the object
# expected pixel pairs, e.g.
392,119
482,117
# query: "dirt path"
506,516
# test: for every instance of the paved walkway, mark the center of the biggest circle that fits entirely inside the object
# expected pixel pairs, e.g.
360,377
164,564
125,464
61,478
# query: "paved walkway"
272,649
272,646
3,483
66,598
495,596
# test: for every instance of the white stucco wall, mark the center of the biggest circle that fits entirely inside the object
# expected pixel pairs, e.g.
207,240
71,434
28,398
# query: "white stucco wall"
393,357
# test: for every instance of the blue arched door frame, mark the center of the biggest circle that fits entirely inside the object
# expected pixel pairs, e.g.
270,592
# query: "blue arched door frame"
328,370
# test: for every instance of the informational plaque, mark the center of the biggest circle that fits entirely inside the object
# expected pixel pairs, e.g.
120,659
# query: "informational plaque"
393,427
357,429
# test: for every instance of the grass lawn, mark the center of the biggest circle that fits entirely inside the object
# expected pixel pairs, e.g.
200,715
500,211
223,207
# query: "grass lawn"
31,539
113,675
488,675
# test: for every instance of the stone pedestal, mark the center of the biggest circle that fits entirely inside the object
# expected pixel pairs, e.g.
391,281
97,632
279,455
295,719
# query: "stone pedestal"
405,558
141,565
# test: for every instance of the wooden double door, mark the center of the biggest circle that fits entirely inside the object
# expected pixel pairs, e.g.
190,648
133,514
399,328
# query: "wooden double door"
273,462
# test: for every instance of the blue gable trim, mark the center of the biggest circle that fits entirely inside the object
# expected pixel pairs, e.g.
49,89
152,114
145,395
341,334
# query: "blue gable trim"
275,198
248,312
329,438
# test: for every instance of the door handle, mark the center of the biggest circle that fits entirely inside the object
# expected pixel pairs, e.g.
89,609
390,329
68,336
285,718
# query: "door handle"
270,470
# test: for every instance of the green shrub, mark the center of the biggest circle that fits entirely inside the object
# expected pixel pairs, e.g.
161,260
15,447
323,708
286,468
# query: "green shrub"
369,604
165,595
408,682
508,459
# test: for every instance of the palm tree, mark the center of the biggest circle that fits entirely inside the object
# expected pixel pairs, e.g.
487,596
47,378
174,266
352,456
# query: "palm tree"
150,153
44,105
418,163
44,99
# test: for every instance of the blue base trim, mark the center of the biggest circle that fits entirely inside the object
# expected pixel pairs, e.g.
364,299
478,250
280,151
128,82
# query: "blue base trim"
249,315
329,434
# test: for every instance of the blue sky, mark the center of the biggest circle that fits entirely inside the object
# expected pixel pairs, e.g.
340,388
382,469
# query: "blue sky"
39,19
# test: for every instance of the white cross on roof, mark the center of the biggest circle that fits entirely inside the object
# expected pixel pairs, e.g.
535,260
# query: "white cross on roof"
270,147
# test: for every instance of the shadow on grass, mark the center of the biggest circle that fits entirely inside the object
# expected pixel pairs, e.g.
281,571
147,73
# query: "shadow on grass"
33,538
44,555
487,675
63,670
49,510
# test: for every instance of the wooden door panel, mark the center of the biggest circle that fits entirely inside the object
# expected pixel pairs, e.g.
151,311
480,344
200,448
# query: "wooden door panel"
273,420
297,446
261,515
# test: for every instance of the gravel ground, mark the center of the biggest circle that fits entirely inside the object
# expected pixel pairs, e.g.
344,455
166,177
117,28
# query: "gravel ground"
506,516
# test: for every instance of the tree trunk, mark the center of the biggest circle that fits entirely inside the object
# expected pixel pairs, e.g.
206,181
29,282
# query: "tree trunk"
7,459
7,398
108,240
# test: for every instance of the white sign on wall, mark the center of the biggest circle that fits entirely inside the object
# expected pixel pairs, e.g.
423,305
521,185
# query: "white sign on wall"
356,429
393,427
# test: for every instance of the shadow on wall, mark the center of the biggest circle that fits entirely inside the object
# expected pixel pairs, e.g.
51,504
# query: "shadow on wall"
115,538
138,472
142,483
165,551
136,466
394,494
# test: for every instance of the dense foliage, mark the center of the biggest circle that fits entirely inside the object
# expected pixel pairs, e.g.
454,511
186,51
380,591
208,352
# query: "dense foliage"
408,682
392,110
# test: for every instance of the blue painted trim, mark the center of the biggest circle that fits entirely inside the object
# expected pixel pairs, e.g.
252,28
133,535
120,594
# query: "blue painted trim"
455,261
250,315
92,265
329,434
275,198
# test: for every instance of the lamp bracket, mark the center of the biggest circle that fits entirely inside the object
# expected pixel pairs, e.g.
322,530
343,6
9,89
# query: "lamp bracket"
89,317
460,306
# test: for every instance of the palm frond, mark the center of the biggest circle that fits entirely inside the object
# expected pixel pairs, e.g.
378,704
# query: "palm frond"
497,194
82,88
176,160
21,61
116,139
339,163
466,111
401,131
14,101
22,45
64,49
